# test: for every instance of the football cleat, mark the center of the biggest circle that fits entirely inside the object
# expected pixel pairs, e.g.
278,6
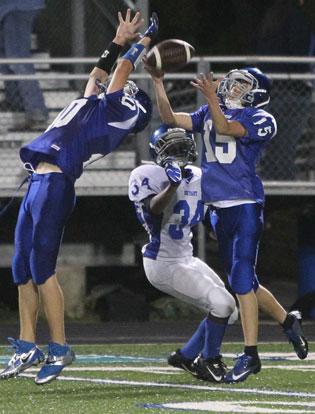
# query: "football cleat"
59,356
296,337
210,369
178,361
26,354
245,366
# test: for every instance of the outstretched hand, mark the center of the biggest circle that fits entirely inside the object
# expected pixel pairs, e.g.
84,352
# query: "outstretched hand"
156,74
206,85
127,29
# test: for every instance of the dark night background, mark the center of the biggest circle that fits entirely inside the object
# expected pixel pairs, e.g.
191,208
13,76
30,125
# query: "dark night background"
213,27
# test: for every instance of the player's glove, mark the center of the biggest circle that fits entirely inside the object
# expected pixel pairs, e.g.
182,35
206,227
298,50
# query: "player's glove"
173,171
153,29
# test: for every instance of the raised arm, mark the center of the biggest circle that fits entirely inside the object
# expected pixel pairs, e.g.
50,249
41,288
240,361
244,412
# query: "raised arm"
169,117
126,31
222,126
158,203
134,55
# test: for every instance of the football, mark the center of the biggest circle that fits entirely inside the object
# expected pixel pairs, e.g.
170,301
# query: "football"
170,55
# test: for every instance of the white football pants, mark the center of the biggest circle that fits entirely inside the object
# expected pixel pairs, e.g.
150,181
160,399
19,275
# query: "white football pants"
194,282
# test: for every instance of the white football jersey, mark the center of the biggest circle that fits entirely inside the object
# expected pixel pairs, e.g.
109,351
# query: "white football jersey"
170,232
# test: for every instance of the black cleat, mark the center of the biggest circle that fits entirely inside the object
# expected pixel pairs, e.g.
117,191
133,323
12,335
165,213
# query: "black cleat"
296,337
209,369
178,361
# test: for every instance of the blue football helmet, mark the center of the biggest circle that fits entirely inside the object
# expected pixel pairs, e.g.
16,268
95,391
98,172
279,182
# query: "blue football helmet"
168,142
244,87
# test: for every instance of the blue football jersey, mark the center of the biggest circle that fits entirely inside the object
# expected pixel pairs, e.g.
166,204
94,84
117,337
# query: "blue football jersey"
86,126
228,163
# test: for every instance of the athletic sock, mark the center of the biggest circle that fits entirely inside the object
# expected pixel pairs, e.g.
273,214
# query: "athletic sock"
195,344
288,322
214,337
251,351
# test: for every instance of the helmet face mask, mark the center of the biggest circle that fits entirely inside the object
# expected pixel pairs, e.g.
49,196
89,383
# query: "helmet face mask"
244,87
131,88
173,142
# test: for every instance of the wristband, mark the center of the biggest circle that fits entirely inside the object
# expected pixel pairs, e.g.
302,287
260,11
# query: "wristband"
109,57
135,54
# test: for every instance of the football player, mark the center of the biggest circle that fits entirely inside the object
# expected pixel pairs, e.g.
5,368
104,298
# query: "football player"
167,197
88,125
235,128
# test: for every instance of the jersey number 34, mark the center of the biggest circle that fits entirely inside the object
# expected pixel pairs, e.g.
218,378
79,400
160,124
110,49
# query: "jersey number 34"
183,209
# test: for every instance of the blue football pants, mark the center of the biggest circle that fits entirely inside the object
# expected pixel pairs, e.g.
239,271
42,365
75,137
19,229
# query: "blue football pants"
45,208
238,230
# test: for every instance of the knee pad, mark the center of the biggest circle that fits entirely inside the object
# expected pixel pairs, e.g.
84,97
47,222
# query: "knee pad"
234,316
222,302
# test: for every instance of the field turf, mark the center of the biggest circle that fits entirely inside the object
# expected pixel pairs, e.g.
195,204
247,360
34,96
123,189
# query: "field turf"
135,379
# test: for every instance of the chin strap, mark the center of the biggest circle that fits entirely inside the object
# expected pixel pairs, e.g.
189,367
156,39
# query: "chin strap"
233,104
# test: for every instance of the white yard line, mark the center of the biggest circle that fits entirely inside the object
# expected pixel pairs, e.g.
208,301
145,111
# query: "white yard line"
237,406
184,386
168,370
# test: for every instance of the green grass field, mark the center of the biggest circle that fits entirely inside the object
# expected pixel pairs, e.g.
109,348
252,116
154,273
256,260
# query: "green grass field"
135,379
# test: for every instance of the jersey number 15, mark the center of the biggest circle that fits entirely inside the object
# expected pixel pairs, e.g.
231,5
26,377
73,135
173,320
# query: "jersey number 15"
225,146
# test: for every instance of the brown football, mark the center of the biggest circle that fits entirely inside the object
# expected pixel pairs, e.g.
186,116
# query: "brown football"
170,55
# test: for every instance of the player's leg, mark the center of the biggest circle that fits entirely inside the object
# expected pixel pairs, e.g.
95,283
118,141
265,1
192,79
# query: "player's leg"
291,322
161,275
26,352
28,292
242,225
249,317
53,300
28,310
54,204
268,303
209,365
194,282
184,357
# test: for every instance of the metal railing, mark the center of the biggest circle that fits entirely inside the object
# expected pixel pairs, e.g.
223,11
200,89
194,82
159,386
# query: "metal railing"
293,110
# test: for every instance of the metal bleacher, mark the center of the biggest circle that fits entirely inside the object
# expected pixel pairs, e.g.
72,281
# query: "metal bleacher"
61,80
107,176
